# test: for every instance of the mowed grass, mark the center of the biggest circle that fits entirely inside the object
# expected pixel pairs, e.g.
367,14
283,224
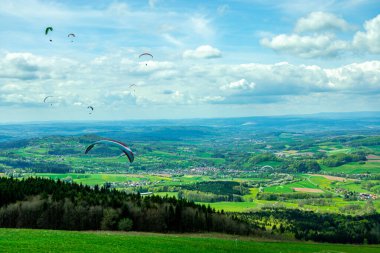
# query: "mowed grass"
100,179
288,188
354,168
352,187
24,240
231,206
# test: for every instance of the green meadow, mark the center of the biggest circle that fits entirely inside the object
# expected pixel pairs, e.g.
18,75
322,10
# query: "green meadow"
25,240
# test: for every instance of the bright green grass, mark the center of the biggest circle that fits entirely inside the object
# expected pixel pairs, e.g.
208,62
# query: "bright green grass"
354,168
288,188
352,187
231,206
100,179
341,150
253,192
258,204
23,240
322,182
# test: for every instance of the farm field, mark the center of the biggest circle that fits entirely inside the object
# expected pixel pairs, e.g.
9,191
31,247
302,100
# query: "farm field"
24,240
309,183
355,168
254,170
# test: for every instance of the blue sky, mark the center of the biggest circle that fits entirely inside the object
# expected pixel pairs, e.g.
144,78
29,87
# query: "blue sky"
211,58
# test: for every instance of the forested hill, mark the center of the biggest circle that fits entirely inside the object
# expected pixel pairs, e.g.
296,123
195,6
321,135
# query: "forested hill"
44,203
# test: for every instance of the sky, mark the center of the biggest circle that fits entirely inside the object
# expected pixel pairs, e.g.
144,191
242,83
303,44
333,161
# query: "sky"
210,58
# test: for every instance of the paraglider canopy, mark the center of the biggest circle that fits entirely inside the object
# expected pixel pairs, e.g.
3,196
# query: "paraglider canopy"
145,55
141,55
47,30
72,35
123,147
46,100
91,108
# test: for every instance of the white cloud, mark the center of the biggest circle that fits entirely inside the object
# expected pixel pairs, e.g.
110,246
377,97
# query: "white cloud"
321,40
369,39
242,84
320,22
203,52
105,81
26,66
306,46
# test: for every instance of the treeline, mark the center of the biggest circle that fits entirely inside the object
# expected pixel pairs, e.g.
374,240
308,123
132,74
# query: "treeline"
368,141
341,158
294,195
319,227
265,157
47,204
38,167
300,166
198,196
15,144
219,187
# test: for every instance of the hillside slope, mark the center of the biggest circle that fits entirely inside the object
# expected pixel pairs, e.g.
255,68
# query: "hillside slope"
26,240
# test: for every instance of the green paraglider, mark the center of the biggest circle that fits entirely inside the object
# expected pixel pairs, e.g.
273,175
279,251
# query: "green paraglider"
47,30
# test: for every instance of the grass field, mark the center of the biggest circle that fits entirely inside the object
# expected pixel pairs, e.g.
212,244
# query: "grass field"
289,187
24,240
354,168
232,206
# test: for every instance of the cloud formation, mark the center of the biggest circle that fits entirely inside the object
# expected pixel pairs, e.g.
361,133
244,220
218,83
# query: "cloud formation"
321,22
341,70
242,84
202,52
307,46
105,81
370,38
321,39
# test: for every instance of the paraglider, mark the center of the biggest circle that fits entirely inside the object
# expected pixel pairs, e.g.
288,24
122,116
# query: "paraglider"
141,55
91,108
145,54
46,100
72,35
47,30
123,147
132,85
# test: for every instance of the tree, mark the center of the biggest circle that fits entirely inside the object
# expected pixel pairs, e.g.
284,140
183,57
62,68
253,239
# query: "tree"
125,224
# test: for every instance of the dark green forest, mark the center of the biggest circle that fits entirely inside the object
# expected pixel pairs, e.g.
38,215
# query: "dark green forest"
49,204
319,227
